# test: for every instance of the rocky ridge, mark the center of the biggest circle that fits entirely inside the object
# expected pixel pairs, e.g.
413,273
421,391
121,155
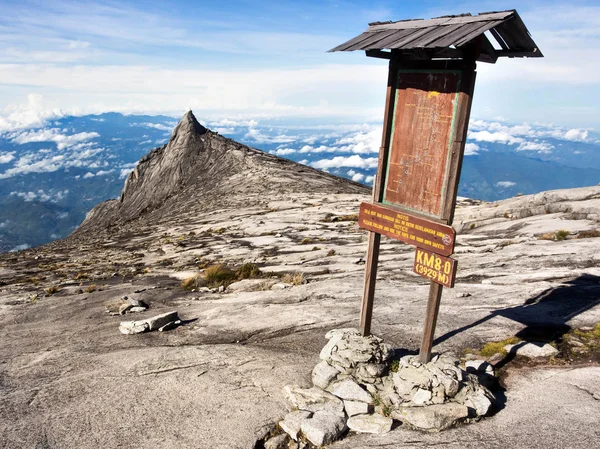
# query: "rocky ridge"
528,273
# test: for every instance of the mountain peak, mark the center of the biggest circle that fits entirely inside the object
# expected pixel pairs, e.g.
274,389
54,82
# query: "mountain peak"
198,168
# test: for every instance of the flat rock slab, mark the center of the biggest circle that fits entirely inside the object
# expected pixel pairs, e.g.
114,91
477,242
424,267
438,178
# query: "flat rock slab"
432,418
292,422
313,399
323,428
350,390
374,423
149,324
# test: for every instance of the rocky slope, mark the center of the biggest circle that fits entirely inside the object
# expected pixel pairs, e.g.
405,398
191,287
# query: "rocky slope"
70,379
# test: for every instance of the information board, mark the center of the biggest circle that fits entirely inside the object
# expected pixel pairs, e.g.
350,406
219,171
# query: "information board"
408,228
421,140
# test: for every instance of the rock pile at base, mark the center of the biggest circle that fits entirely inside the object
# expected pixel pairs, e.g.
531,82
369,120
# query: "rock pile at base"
359,385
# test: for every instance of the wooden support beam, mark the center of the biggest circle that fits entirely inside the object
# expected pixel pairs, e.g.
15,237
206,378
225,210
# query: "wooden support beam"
433,308
378,188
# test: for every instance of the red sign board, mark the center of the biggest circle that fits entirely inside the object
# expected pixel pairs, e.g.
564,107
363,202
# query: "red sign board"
421,139
434,267
408,228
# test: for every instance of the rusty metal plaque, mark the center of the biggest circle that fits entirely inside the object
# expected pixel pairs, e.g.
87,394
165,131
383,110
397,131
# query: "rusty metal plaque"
408,228
421,139
435,267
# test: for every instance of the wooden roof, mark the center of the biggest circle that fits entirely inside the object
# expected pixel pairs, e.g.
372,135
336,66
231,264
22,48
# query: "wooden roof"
447,37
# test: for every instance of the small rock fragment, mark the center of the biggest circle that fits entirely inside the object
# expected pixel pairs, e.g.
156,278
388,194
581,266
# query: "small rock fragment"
350,390
356,408
421,397
532,350
277,442
292,421
313,399
375,423
323,428
136,310
323,373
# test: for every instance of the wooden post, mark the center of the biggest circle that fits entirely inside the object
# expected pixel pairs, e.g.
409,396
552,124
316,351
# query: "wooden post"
449,202
366,312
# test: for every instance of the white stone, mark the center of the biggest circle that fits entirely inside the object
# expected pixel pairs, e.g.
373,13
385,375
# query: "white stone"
350,390
421,397
481,366
323,428
480,402
532,350
356,408
280,286
313,399
375,423
292,421
323,373
432,418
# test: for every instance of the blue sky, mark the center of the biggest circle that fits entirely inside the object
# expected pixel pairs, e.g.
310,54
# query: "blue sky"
268,60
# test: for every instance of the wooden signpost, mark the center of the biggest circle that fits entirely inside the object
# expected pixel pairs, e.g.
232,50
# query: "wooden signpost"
430,87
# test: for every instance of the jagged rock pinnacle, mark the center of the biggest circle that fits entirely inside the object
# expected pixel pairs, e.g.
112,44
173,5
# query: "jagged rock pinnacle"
198,168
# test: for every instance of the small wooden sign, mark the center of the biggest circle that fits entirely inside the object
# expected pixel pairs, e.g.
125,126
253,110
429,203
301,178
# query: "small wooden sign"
407,228
439,269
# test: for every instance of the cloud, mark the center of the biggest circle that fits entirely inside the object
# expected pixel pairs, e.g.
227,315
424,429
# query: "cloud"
358,177
576,135
257,136
6,157
498,136
540,147
40,195
369,179
20,248
505,184
158,126
88,175
53,135
471,149
31,114
354,161
283,151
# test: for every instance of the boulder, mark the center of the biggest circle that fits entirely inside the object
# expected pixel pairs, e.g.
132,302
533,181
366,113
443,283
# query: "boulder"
323,428
480,402
356,408
323,373
375,423
532,350
350,390
313,399
421,397
277,442
292,422
432,418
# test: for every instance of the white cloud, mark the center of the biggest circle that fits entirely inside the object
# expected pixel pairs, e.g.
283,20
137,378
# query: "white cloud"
369,179
41,195
53,135
505,184
31,114
158,126
104,172
576,135
88,175
471,149
283,151
20,248
351,172
124,173
358,177
6,157
257,136
498,136
540,147
354,161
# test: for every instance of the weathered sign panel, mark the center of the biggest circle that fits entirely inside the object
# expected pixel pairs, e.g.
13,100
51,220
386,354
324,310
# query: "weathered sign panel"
408,228
421,141
434,267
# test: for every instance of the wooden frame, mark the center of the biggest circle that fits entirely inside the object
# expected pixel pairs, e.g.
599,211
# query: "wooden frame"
458,135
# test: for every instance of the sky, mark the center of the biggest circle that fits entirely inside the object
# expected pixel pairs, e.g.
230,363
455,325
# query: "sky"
268,60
